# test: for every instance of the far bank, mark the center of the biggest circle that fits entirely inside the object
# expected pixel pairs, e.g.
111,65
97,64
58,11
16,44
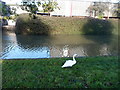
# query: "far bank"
26,25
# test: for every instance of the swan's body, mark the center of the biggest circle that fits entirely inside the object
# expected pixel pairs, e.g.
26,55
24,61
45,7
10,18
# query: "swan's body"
70,63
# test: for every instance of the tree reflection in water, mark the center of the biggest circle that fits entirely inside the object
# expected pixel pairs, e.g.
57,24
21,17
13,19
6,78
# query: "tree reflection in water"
59,46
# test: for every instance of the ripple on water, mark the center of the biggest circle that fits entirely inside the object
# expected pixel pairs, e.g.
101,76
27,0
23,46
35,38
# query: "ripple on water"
57,46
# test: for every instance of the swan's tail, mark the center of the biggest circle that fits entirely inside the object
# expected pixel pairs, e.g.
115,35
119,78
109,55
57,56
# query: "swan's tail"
63,66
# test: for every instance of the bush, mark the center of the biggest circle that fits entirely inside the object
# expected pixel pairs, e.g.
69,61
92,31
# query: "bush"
26,25
62,25
97,27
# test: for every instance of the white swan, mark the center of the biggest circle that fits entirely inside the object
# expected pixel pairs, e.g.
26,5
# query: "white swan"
70,63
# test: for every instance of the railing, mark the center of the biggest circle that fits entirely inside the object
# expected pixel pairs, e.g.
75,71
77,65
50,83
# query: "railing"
47,14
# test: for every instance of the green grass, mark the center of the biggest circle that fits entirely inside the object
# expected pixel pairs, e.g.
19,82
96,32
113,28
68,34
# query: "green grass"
65,25
92,72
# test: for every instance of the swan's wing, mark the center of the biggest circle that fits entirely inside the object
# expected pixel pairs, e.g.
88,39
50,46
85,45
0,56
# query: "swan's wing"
68,63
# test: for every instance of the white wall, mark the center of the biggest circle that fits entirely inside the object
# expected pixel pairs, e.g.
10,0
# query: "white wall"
71,8
79,8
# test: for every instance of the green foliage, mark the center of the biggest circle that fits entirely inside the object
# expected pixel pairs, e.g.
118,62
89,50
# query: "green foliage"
0,7
64,25
97,27
100,16
30,25
29,6
5,10
32,6
90,72
49,6
14,17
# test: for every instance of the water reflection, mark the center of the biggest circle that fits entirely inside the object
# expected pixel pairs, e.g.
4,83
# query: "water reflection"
21,46
65,52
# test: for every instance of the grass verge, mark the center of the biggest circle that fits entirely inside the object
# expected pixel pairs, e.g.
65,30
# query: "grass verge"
92,72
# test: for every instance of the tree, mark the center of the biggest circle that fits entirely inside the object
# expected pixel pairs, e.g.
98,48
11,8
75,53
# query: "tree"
30,6
6,11
98,8
13,11
50,5
116,9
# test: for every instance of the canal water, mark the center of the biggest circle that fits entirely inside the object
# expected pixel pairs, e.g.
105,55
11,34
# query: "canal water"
38,46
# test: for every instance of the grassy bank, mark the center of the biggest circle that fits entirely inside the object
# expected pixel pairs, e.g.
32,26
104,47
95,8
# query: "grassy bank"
93,72
65,25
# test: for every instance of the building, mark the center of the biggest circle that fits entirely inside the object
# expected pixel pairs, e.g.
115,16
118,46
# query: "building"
76,8
67,8
72,8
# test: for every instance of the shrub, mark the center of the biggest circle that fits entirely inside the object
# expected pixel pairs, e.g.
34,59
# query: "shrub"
62,25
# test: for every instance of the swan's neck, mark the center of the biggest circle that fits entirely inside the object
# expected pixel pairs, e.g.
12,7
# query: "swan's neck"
74,58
